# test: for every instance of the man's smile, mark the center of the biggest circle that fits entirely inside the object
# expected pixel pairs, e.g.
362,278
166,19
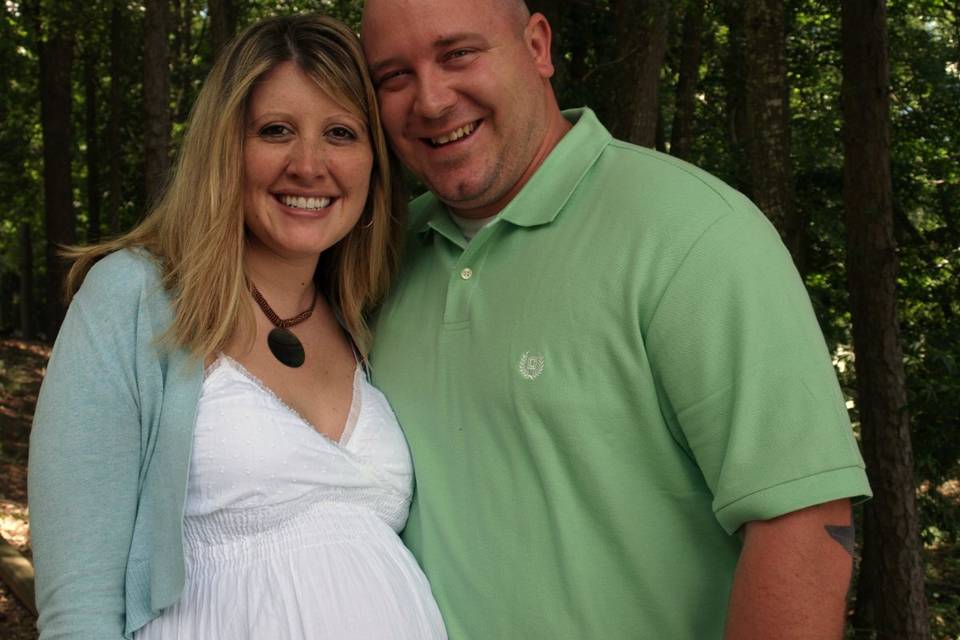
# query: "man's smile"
453,136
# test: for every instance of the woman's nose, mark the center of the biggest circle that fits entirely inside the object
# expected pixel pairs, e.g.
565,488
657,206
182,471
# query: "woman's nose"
307,159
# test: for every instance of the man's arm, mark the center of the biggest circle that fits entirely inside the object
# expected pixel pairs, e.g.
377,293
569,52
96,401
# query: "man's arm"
793,575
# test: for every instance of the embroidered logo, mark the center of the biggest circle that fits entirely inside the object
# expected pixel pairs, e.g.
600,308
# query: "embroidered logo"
531,365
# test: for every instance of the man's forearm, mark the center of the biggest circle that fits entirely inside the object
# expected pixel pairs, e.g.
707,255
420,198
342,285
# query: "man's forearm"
793,575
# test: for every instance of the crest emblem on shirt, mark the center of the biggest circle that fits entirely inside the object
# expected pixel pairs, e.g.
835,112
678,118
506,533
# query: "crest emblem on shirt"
531,365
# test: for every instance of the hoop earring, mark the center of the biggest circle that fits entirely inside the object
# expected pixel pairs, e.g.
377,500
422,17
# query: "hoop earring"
368,224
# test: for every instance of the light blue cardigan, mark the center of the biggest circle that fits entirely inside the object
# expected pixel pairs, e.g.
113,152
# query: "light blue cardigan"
109,458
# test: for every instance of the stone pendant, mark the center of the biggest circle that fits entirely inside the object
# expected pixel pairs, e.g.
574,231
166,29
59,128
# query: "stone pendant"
285,347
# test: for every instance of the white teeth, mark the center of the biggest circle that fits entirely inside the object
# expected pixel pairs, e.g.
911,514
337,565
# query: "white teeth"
453,136
299,202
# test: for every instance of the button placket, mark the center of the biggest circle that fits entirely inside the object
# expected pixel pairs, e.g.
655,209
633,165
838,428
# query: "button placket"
462,281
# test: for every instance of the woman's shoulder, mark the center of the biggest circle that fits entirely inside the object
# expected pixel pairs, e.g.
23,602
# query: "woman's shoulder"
122,285
121,274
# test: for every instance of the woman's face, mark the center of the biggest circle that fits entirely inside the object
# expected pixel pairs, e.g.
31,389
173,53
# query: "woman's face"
307,163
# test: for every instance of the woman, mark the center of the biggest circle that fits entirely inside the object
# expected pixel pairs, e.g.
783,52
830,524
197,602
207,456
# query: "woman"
208,459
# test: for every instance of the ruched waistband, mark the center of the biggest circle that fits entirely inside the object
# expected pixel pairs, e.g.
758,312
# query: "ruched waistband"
248,534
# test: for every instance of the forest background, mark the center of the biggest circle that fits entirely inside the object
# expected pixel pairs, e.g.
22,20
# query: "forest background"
840,119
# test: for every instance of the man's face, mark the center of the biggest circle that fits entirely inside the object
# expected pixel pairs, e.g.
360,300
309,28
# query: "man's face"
463,94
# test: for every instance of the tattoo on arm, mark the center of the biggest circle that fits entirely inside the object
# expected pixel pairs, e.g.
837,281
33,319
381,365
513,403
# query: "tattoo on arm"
843,534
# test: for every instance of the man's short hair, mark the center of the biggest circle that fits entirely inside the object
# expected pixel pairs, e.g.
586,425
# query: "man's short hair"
520,10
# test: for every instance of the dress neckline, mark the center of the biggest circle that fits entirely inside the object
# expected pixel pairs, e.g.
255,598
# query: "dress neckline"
353,414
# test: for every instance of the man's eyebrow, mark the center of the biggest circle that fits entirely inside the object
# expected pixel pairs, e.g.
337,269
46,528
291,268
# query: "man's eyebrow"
456,38
380,65
439,43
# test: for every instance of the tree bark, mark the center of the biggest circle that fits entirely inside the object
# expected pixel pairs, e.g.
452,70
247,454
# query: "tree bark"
660,135
681,133
735,85
156,98
892,537
955,11
115,119
768,117
26,281
223,23
17,572
641,36
91,88
56,63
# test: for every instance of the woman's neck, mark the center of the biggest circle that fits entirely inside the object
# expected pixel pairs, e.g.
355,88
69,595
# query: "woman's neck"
286,283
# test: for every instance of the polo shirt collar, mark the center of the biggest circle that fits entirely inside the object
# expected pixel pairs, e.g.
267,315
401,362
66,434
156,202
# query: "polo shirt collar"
549,188
547,191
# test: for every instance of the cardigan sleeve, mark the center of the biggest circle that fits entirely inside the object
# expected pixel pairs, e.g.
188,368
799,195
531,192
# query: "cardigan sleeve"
85,455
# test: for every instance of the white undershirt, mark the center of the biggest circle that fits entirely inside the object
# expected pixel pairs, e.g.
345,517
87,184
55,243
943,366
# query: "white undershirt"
470,226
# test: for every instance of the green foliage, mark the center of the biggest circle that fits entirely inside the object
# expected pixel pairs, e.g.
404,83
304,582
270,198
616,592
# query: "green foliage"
21,192
926,172
346,10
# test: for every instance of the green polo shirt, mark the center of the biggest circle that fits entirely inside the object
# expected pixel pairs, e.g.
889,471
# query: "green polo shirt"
598,390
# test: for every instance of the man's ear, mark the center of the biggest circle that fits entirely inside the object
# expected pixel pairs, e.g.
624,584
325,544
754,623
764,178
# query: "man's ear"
537,36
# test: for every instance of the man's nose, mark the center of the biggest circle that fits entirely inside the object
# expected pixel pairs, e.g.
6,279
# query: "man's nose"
435,97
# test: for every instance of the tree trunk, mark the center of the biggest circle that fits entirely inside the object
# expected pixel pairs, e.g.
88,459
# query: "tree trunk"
115,119
768,117
56,62
735,85
156,98
956,30
17,572
681,133
641,32
223,23
91,86
184,51
660,136
892,543
26,281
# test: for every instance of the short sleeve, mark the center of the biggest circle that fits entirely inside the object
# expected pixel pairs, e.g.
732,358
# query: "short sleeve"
746,377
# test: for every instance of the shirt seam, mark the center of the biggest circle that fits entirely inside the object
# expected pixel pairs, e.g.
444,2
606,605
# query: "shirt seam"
683,262
786,482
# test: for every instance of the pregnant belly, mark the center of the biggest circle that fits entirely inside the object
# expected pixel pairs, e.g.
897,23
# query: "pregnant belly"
329,571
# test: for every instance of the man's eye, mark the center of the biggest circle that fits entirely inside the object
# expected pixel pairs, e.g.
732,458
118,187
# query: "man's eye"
274,131
460,56
390,76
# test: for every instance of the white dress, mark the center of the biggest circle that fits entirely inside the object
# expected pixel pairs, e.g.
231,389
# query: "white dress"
289,535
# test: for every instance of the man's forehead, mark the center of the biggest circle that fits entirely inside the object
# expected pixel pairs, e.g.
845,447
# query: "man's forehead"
396,30
460,15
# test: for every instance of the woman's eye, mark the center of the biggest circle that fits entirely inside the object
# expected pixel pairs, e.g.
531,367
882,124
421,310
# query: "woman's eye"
274,131
341,133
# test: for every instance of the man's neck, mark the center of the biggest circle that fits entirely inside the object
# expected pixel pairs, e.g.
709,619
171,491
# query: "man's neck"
556,129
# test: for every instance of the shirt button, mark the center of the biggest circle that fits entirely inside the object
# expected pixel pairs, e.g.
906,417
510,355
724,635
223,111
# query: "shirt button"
466,274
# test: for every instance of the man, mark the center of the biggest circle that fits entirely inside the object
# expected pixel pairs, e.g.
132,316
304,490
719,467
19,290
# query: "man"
623,418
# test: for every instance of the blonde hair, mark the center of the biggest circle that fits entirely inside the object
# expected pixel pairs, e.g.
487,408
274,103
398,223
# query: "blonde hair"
196,230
